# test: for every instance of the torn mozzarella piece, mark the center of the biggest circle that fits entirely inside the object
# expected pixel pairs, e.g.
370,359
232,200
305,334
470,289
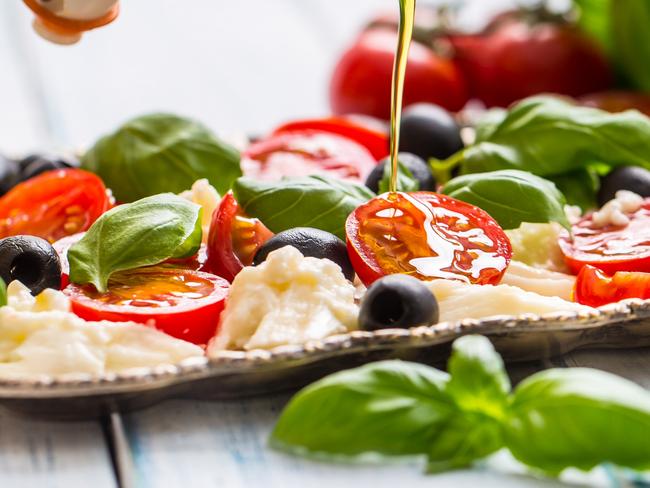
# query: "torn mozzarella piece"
538,280
288,299
536,245
616,211
458,300
204,194
39,335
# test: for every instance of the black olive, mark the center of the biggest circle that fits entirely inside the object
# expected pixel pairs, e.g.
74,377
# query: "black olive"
416,165
430,132
632,178
9,174
397,300
310,242
30,260
36,164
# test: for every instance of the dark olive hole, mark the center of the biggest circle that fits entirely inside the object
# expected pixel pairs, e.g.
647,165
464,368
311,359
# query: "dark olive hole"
388,307
25,268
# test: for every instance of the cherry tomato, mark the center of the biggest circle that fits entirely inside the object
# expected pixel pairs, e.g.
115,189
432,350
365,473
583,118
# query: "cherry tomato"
611,248
183,303
304,153
595,288
53,204
617,101
373,139
362,78
428,236
512,60
234,239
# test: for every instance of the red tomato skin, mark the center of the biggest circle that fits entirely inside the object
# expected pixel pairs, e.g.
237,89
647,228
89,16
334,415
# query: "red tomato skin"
361,81
617,101
595,288
515,60
374,140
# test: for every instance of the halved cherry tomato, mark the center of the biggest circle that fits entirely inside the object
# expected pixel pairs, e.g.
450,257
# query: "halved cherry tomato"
304,153
428,236
611,248
180,302
595,288
372,138
53,204
234,239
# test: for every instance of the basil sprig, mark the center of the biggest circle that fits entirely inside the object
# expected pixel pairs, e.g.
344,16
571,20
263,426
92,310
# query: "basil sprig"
405,180
511,197
553,420
133,235
321,202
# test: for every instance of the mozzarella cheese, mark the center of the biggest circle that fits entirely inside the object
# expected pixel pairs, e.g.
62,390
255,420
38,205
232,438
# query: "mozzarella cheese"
204,194
540,281
288,299
39,335
615,212
536,245
458,300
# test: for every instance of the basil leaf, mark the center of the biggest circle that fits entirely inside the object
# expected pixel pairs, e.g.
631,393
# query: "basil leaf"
579,417
405,180
133,235
488,123
3,293
511,197
316,201
548,137
629,21
388,407
161,153
579,187
594,19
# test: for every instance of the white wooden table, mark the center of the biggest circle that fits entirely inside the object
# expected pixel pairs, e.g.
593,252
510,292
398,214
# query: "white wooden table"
242,65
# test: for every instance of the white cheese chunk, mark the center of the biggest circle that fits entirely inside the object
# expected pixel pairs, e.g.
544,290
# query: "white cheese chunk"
204,194
539,280
288,299
536,245
616,211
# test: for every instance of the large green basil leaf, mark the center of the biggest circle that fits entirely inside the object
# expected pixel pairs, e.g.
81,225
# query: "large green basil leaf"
133,235
579,187
630,20
316,201
548,137
388,407
511,197
405,180
579,417
161,153
594,19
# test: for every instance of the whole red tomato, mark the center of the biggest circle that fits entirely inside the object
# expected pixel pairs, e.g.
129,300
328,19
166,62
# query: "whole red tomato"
362,78
512,60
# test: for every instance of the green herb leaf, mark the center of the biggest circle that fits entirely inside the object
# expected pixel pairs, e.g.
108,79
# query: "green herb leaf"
138,234
631,40
388,407
579,187
161,153
3,293
511,197
594,19
488,123
405,180
579,417
316,201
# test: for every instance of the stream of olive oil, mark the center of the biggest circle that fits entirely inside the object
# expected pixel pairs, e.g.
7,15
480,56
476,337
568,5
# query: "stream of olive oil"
407,17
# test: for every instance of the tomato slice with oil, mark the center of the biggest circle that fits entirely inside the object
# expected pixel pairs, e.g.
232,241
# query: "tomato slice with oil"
611,248
53,204
183,303
234,239
595,288
428,236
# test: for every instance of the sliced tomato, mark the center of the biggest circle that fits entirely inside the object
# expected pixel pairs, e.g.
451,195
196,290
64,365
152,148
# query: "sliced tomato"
183,303
611,248
428,236
595,288
53,204
234,239
372,138
307,152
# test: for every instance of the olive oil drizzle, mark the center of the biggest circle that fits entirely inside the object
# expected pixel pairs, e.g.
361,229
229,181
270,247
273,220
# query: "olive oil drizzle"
407,17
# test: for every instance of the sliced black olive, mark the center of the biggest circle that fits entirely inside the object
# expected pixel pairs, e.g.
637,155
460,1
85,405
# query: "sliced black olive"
416,165
310,242
30,260
397,301
9,174
430,132
36,164
632,178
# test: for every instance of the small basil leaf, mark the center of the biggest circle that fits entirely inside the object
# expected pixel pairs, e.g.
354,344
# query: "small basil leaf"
133,235
511,197
579,417
316,201
161,153
388,407
488,123
479,382
405,180
3,293
579,187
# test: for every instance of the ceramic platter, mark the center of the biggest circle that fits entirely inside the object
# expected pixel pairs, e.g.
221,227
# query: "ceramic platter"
238,374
